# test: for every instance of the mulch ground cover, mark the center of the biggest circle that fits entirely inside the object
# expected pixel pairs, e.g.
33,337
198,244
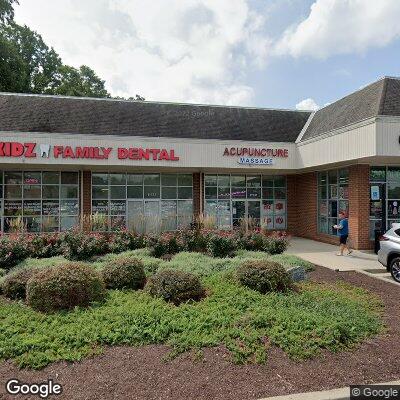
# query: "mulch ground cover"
141,373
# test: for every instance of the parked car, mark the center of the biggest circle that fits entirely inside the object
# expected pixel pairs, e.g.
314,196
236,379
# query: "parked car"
389,252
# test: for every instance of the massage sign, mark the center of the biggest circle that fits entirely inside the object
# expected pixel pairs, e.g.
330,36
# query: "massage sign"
33,150
255,155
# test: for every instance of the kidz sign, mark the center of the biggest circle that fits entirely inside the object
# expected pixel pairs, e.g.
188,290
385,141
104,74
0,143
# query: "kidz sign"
31,150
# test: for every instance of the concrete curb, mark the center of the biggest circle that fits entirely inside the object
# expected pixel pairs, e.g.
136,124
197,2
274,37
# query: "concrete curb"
333,394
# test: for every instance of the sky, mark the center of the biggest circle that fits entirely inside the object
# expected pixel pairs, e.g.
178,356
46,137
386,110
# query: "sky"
288,54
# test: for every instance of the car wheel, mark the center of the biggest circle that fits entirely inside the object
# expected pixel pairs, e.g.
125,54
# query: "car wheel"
395,269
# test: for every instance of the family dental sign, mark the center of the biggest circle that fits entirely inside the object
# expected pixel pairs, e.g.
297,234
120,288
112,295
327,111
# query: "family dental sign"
256,156
31,150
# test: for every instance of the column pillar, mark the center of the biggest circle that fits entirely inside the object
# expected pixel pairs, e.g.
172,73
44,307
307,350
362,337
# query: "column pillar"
197,194
359,198
86,195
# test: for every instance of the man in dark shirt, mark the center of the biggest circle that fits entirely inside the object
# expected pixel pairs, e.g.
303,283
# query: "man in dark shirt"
343,233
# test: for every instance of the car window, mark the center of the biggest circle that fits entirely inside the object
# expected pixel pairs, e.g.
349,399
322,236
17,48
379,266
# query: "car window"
397,232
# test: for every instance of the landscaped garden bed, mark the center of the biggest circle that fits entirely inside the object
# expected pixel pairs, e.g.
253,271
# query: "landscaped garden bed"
191,291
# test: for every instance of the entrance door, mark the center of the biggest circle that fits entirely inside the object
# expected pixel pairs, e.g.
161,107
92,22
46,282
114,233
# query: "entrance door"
152,216
377,212
135,216
238,211
253,211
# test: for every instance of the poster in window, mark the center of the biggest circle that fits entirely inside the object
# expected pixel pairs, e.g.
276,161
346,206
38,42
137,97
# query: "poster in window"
334,191
343,192
12,207
32,207
50,207
280,222
268,207
118,207
393,209
268,222
280,207
375,193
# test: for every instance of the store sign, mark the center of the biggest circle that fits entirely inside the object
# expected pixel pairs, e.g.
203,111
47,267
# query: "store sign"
255,155
255,161
31,150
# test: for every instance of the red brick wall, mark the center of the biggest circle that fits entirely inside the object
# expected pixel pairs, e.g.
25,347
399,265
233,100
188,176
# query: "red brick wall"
359,206
303,207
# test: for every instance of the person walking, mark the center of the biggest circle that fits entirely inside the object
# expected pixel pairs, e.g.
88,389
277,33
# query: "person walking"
343,233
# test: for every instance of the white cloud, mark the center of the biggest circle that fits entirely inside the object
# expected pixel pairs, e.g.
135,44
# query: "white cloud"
341,27
307,104
190,51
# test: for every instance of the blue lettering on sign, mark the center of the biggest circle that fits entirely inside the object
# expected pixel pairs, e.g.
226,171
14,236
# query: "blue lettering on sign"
255,161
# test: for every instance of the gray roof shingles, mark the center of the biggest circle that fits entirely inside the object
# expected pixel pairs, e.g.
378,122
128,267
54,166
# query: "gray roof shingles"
32,113
379,98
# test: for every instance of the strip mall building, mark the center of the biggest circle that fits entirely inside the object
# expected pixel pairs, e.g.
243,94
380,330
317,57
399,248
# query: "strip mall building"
63,157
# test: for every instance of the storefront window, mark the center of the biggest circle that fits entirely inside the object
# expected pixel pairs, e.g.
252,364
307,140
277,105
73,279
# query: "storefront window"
231,198
384,198
333,198
38,201
142,202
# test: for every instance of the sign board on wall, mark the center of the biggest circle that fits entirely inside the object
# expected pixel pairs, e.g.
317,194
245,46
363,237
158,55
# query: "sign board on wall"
255,155
34,150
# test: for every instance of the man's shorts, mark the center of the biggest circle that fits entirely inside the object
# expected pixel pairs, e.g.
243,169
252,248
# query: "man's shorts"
343,239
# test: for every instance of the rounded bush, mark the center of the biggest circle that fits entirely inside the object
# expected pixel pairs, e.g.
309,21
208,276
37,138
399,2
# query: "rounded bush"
64,287
264,276
124,273
175,286
14,284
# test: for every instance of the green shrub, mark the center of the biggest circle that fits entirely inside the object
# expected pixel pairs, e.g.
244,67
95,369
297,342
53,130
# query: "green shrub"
124,273
175,286
121,241
196,240
13,250
221,245
276,245
14,283
45,245
167,244
264,276
258,241
81,246
64,287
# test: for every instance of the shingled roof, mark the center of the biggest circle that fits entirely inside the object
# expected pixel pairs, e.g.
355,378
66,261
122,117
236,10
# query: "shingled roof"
379,98
40,113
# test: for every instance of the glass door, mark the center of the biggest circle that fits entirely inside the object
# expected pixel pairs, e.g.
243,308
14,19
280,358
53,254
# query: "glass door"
135,216
254,210
377,210
238,211
152,216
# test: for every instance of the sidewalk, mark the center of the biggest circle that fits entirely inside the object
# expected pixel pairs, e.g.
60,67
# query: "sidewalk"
324,254
334,394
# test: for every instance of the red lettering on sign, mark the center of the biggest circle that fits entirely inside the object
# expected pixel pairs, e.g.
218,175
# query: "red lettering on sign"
106,152
144,154
122,153
172,156
17,149
29,150
57,151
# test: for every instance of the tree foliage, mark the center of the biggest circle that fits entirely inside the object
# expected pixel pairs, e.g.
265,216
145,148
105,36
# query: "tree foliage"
7,10
28,65
70,81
